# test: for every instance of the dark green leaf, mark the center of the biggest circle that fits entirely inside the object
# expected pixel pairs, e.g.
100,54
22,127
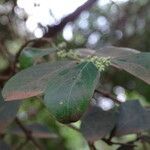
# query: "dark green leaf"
69,92
8,112
30,55
109,51
136,64
115,52
133,118
130,60
32,81
97,123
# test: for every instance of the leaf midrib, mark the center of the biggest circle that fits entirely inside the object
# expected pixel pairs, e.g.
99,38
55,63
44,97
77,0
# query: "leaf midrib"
74,82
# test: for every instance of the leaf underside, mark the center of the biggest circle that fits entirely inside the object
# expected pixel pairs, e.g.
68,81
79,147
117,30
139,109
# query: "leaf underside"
130,60
97,123
136,64
133,118
33,80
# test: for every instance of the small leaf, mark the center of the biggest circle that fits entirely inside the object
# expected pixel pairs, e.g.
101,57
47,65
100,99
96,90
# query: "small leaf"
30,55
32,81
8,111
97,123
136,64
37,131
133,118
69,92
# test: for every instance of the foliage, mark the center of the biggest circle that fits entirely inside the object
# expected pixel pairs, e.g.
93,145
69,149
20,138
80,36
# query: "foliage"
58,95
68,87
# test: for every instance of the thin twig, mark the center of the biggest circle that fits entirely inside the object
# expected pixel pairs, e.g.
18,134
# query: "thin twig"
130,143
28,134
25,45
3,78
112,134
109,142
109,96
18,54
91,146
73,127
54,30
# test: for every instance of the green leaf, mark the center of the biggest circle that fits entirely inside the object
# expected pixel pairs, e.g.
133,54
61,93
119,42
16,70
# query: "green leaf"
108,51
136,64
97,123
30,55
130,60
8,111
133,118
32,81
69,92
115,52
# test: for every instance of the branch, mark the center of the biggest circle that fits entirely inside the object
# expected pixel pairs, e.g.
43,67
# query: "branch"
28,134
109,96
91,146
117,143
142,138
4,78
54,30
73,127
25,45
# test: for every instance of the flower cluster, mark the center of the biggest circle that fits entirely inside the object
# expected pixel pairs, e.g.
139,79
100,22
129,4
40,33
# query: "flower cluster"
62,45
70,54
100,62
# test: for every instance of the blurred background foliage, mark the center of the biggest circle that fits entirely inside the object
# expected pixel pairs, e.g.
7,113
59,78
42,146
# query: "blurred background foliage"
118,23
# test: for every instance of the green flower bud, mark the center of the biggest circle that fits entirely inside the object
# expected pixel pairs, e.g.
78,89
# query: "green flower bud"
100,62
